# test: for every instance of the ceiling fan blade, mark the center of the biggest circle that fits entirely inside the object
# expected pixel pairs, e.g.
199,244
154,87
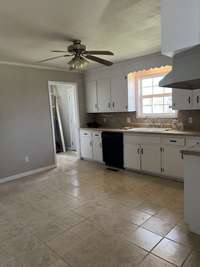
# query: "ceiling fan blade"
95,52
59,51
99,60
51,58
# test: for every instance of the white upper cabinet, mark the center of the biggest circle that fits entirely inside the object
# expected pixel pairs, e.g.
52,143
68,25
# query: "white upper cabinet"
110,95
182,99
91,96
180,22
196,99
119,93
104,95
185,99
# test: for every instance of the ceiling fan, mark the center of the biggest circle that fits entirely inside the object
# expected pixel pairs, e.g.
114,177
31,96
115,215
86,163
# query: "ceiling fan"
80,55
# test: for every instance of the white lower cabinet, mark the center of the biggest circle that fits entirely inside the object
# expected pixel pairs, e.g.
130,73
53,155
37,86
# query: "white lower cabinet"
154,154
132,156
142,153
172,162
86,144
150,158
91,145
97,147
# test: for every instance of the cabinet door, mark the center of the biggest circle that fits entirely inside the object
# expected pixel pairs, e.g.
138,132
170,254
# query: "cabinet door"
196,99
181,99
173,163
103,95
91,97
132,156
86,144
97,147
151,158
119,93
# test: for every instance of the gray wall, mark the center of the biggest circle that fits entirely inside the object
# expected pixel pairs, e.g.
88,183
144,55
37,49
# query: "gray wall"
127,66
25,123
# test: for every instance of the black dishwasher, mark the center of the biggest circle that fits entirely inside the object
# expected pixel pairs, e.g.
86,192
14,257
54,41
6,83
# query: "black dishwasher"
113,154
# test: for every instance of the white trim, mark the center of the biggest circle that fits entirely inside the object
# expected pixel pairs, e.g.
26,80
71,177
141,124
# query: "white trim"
37,66
24,174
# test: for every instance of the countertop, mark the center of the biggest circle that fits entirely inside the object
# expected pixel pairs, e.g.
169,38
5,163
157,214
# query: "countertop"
193,151
146,131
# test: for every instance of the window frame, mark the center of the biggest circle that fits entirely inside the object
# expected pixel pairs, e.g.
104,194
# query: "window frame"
139,97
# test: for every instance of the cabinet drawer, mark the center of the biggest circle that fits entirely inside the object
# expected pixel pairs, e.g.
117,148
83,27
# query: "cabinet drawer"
192,141
132,139
174,141
85,133
96,134
141,139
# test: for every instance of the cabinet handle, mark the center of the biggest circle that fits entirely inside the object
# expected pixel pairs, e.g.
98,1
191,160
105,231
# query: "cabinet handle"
197,99
142,151
172,141
113,104
189,99
126,107
138,151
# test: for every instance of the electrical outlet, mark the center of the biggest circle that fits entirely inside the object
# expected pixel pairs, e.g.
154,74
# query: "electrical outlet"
26,159
128,120
190,120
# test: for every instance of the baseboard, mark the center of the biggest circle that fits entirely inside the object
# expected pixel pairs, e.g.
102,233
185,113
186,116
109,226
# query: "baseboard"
24,174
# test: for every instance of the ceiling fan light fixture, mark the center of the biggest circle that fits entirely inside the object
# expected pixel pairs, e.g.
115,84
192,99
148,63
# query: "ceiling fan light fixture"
78,62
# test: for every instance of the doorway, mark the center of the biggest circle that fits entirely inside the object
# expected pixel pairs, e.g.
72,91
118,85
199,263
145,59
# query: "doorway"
63,100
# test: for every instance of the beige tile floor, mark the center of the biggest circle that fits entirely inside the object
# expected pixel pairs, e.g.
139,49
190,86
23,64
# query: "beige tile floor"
82,215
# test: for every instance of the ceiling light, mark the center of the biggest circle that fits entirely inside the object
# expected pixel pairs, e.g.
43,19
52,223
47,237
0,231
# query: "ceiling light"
77,62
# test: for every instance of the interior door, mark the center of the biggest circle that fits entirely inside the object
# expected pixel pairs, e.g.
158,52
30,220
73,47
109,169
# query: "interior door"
182,99
103,92
151,158
91,96
119,93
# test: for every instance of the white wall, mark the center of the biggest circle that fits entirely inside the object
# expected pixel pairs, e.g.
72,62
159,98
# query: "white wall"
25,122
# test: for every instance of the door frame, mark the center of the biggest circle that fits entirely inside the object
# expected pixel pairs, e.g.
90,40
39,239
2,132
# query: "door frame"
50,83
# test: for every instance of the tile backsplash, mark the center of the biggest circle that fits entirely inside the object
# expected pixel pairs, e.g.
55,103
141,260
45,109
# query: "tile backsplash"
186,120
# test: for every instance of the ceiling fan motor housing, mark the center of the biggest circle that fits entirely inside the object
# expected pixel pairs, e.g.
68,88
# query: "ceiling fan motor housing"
76,47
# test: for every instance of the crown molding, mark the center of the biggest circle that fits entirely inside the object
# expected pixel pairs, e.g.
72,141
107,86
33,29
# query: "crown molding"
36,66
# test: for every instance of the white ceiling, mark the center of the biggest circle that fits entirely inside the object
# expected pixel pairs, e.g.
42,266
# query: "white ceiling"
30,29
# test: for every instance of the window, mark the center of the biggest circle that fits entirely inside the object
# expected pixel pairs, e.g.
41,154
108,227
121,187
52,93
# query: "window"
153,100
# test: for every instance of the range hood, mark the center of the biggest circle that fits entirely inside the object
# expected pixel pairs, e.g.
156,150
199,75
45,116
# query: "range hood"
186,70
